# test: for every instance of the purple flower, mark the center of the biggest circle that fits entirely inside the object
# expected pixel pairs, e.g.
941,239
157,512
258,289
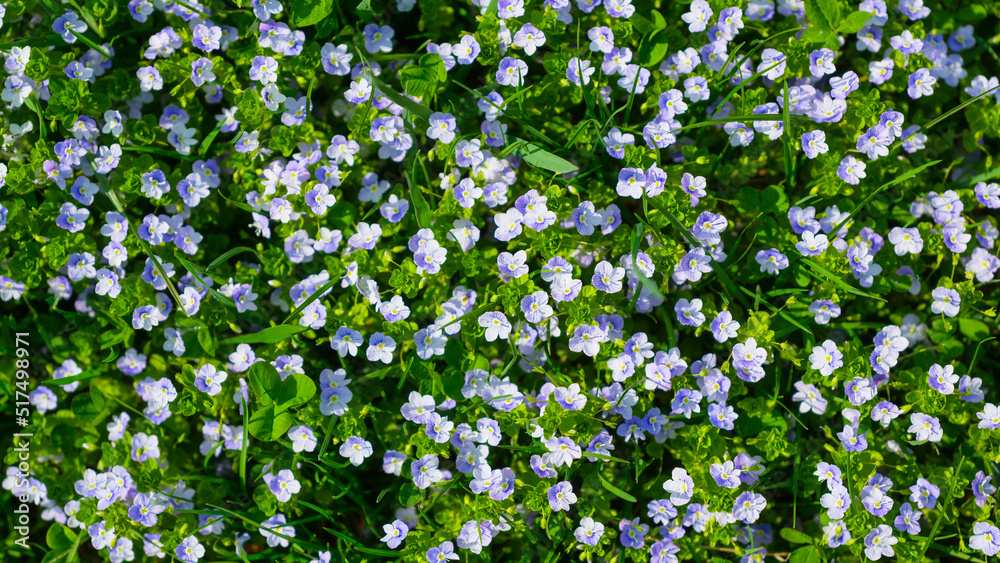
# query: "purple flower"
144,510
145,447
943,379
851,441
72,219
982,489
877,503
589,532
810,398
924,493
837,501
366,237
209,380
189,550
725,474
989,418
875,142
946,301
879,542
442,553
771,261
722,416
686,402
692,266
425,471
724,327
824,311
380,348
283,485
986,538
561,496
511,72
826,358
708,228
608,278
851,170
201,72
356,449
207,38
689,312
925,427
633,533
748,506
920,83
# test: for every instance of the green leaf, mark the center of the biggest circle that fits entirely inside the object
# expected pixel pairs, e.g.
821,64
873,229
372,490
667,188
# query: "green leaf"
373,551
654,22
56,383
60,537
309,12
89,408
269,388
615,490
853,22
207,340
608,458
823,13
537,156
653,47
229,254
266,336
269,425
402,101
974,329
422,78
421,210
830,277
410,495
795,536
805,555
972,13
364,10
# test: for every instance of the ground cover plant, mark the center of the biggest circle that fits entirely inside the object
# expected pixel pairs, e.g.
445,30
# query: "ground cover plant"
515,280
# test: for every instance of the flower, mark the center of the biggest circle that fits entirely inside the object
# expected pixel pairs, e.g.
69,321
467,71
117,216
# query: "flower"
926,427
561,496
356,450
826,358
189,550
748,506
589,532
986,538
395,533
946,302
879,542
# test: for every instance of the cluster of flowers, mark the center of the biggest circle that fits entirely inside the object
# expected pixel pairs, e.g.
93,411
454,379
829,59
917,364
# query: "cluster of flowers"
296,208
